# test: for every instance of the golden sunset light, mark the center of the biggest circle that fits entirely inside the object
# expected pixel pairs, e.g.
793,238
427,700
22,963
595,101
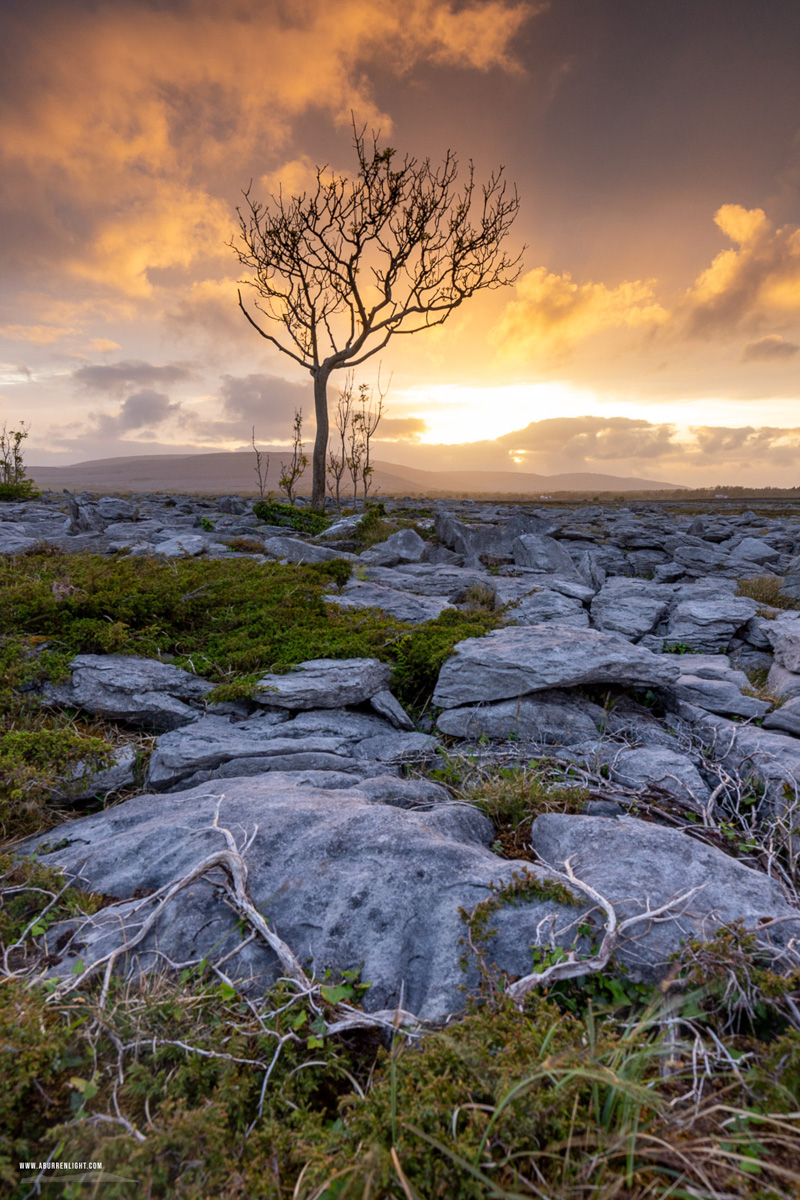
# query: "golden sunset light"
655,153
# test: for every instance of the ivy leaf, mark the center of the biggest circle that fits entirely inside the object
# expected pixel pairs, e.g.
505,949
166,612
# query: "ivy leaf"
335,995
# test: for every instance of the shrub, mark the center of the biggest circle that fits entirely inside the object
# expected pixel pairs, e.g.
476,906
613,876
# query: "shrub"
14,482
274,513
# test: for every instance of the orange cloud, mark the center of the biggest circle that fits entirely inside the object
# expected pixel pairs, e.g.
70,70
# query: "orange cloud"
173,228
39,335
551,312
133,114
743,287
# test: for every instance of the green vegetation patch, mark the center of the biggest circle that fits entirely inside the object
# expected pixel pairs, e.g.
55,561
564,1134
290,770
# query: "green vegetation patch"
26,490
229,621
206,1094
300,519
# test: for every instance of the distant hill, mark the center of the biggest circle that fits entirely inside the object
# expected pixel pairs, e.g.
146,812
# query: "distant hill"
233,472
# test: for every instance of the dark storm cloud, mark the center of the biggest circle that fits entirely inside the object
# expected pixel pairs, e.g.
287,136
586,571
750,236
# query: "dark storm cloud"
118,377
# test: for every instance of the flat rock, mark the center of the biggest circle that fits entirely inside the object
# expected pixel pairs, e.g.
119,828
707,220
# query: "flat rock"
554,718
444,582
289,549
328,740
324,683
405,607
139,691
785,718
181,545
14,539
542,604
514,662
633,863
754,550
348,883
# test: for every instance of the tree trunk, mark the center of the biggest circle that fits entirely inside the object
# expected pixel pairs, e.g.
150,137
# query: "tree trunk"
318,460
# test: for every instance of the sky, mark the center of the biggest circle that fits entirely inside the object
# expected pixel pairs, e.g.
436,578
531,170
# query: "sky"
654,328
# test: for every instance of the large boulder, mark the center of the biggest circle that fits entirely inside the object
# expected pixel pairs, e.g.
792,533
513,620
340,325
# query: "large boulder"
708,623
350,883
632,607
514,662
405,546
139,691
634,863
543,554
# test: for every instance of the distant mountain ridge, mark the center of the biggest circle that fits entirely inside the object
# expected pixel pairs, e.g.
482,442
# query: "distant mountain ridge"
233,471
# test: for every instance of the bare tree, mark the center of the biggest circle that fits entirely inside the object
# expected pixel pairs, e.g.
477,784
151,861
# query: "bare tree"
294,468
340,269
337,458
370,419
261,469
356,447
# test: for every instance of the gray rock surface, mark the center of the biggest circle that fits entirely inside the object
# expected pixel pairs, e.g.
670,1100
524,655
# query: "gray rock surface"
386,705
348,883
324,683
324,740
660,767
513,662
14,539
542,604
554,718
709,624
289,549
405,546
542,554
84,783
631,607
395,603
633,863
142,692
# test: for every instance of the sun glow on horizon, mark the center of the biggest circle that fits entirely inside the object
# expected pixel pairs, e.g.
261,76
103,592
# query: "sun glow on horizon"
454,413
